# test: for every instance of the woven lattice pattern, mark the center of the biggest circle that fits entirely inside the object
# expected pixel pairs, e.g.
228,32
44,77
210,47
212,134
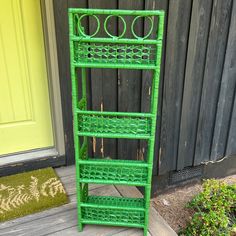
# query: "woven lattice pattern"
114,53
116,201
114,125
116,174
113,215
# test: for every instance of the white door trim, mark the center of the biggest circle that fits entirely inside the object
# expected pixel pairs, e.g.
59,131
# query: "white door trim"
53,74
54,94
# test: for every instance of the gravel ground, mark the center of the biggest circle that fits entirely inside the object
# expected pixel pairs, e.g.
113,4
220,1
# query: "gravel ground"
171,205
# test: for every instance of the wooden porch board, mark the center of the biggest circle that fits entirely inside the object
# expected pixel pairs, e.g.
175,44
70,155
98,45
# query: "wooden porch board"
63,220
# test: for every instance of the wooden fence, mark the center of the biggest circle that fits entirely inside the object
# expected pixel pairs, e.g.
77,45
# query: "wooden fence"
197,108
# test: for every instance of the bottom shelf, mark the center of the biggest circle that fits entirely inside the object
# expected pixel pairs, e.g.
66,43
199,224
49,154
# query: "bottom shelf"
114,211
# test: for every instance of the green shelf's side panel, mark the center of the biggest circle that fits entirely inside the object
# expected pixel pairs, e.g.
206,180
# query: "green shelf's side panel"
113,51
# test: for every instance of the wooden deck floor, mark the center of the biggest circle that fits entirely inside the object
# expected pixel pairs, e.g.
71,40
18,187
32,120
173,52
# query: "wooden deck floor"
63,220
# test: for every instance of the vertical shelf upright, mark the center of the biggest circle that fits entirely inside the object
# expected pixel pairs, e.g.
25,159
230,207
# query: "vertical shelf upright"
118,52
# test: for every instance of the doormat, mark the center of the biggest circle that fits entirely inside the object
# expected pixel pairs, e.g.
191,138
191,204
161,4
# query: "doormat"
30,192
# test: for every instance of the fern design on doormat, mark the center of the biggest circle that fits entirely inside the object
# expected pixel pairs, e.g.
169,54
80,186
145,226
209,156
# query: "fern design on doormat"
52,187
14,197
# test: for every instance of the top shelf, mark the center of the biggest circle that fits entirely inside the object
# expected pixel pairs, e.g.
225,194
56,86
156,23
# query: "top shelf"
121,48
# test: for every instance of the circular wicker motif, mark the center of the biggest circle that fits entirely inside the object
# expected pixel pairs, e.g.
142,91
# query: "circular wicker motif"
148,33
81,28
114,36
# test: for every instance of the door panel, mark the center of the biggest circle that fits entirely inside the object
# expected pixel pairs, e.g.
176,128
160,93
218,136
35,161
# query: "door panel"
25,119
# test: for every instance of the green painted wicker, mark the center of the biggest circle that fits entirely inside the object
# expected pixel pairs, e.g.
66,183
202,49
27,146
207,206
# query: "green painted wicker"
100,125
114,210
115,203
89,53
108,172
113,51
120,217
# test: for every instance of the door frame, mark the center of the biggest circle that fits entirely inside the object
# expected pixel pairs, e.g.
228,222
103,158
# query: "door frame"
52,155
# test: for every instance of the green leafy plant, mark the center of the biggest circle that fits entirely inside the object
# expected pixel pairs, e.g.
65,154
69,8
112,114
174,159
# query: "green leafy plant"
215,211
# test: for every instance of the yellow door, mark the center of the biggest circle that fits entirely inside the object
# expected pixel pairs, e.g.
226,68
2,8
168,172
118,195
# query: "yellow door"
25,119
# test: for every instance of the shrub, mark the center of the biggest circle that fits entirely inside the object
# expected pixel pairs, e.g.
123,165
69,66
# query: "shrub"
215,211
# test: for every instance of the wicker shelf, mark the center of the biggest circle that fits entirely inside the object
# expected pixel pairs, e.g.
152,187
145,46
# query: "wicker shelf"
105,55
108,171
115,210
126,50
114,125
108,202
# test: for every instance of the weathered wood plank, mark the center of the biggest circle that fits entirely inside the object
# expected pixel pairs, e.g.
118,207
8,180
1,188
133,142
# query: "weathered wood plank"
131,232
65,171
226,97
176,48
197,45
162,5
129,85
70,185
45,225
90,230
212,76
147,81
158,226
231,147
128,191
104,83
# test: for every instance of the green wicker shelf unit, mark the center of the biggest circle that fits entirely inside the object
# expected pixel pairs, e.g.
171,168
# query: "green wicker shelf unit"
136,52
